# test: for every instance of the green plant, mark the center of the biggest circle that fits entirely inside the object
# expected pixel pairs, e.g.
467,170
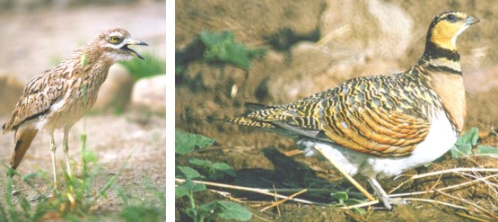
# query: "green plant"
225,210
75,201
151,66
344,198
465,143
144,210
221,47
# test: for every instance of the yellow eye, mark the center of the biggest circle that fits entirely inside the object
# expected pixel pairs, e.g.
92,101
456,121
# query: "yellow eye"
114,39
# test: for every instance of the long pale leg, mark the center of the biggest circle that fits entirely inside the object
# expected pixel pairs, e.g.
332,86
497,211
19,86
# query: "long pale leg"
69,172
52,151
66,148
383,195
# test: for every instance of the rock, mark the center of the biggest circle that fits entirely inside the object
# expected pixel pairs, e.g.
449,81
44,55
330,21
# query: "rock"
372,28
10,91
313,68
150,94
115,93
306,61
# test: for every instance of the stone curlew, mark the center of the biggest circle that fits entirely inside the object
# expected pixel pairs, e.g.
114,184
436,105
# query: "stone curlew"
61,95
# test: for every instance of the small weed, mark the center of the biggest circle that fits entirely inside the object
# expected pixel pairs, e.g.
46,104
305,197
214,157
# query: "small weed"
465,143
144,210
343,198
224,210
221,47
216,48
151,66
74,201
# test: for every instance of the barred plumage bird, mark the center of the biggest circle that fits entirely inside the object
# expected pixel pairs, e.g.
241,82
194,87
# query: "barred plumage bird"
380,126
60,96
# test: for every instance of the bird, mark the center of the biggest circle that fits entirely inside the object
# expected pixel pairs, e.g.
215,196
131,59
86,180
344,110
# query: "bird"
380,126
58,97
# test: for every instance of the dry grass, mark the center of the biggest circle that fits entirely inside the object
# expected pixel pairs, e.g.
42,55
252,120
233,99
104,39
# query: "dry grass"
450,189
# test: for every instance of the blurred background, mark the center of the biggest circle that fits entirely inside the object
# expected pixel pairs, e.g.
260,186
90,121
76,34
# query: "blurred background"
37,35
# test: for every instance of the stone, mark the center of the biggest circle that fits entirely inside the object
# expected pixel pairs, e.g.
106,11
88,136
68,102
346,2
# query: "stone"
115,93
295,81
150,94
373,28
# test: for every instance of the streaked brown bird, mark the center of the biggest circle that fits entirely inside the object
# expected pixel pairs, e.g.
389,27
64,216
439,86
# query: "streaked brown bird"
380,126
60,96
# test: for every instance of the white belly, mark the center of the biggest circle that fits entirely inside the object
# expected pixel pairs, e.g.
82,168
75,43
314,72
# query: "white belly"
441,138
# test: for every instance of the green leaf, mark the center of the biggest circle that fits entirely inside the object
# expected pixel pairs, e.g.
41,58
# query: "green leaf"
470,137
487,149
199,162
192,213
207,210
188,188
187,142
340,196
233,211
225,168
151,66
461,150
188,172
221,47
31,175
211,39
90,156
239,55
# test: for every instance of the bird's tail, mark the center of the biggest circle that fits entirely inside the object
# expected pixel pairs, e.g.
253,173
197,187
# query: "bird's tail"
23,139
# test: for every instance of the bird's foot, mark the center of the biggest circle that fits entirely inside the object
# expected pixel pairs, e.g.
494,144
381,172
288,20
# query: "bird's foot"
388,202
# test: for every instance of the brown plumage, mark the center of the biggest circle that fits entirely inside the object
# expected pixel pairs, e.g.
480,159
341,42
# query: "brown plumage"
380,126
60,96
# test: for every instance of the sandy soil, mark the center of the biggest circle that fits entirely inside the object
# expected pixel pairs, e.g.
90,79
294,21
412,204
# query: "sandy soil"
364,39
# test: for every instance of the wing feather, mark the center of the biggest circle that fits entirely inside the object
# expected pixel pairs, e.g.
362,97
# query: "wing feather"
39,95
379,115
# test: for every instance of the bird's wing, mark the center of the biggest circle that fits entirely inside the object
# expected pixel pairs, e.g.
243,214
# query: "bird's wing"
39,95
375,115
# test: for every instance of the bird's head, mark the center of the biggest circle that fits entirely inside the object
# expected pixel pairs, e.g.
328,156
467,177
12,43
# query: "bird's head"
115,44
446,27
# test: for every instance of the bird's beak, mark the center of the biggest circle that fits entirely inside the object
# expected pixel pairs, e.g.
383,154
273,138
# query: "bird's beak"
131,51
471,20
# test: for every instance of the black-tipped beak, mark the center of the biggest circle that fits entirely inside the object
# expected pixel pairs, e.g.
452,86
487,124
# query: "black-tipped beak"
471,20
133,52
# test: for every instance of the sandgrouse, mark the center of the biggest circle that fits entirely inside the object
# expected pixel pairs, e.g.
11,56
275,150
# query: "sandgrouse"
380,126
60,96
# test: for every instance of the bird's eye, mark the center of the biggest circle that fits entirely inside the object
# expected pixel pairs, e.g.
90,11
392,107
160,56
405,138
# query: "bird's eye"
451,18
114,39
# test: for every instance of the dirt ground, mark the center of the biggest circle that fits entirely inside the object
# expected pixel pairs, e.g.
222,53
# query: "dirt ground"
35,39
312,46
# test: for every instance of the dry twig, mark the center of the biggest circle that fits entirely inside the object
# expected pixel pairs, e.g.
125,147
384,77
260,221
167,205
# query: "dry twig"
284,200
267,192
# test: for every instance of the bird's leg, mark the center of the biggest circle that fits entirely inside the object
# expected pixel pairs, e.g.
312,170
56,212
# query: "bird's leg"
66,149
52,151
383,195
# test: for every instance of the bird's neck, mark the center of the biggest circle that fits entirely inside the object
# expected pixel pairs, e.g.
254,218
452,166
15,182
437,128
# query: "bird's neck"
96,68
440,69
439,58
